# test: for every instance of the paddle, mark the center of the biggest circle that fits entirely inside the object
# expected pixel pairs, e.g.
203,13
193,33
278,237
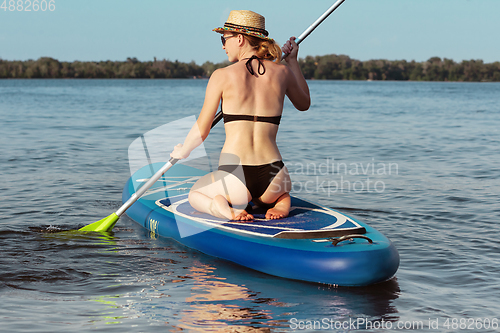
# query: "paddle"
107,223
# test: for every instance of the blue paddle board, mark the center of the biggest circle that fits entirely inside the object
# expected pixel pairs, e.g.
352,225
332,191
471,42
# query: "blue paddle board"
314,243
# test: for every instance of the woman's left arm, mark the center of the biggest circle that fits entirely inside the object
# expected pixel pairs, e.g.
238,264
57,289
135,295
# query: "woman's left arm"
297,90
201,128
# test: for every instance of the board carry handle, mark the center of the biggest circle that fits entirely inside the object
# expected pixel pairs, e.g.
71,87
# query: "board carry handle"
335,241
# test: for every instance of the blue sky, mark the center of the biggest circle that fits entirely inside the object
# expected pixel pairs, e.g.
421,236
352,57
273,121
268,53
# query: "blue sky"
94,30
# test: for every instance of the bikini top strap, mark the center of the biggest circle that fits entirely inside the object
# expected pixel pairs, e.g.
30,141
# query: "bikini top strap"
261,65
246,117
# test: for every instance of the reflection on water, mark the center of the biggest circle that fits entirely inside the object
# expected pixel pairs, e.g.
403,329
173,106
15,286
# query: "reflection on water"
216,305
226,297
108,313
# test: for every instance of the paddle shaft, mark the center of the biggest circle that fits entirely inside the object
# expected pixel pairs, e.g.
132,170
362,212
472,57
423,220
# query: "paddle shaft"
323,17
313,26
145,187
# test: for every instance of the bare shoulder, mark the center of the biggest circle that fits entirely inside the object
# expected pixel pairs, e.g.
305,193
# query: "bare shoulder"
222,75
279,70
218,79
288,72
218,75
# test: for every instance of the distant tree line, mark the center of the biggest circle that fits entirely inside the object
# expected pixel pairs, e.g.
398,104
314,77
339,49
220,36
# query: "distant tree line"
341,67
328,67
48,68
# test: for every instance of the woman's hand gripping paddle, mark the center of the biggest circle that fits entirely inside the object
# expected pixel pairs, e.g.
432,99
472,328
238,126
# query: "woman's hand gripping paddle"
107,224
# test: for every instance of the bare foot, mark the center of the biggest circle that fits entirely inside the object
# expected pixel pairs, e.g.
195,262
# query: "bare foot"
244,216
280,209
274,213
220,208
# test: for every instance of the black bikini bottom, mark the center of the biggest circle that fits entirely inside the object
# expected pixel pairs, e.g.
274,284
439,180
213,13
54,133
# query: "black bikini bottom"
257,177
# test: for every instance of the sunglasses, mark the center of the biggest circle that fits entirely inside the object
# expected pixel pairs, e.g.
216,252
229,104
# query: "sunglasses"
224,39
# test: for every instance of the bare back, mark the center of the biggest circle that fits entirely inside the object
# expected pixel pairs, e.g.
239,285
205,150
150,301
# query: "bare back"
257,95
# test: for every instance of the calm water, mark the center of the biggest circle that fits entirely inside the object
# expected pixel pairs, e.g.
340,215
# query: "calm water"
418,161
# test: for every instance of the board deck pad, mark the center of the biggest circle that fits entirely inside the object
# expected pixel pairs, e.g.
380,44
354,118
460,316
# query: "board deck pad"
305,221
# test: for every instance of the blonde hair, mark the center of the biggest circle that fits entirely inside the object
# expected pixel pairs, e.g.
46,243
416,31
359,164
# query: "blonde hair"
266,49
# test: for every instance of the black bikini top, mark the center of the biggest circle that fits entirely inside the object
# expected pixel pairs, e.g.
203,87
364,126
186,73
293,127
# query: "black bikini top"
247,117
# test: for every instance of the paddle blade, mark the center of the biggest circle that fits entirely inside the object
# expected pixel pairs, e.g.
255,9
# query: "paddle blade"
106,224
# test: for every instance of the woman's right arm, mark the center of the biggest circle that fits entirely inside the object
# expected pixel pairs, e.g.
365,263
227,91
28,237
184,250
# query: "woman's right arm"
201,128
297,90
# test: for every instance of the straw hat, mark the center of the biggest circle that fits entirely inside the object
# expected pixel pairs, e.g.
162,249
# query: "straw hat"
245,22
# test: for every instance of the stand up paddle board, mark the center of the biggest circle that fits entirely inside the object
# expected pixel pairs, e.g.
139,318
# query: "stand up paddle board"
314,243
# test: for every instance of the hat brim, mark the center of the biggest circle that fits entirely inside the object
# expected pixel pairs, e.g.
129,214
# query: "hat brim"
244,31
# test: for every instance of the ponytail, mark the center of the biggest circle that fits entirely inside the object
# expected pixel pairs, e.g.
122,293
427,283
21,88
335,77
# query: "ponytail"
266,49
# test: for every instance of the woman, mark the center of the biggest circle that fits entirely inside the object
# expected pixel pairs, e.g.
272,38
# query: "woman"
252,93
